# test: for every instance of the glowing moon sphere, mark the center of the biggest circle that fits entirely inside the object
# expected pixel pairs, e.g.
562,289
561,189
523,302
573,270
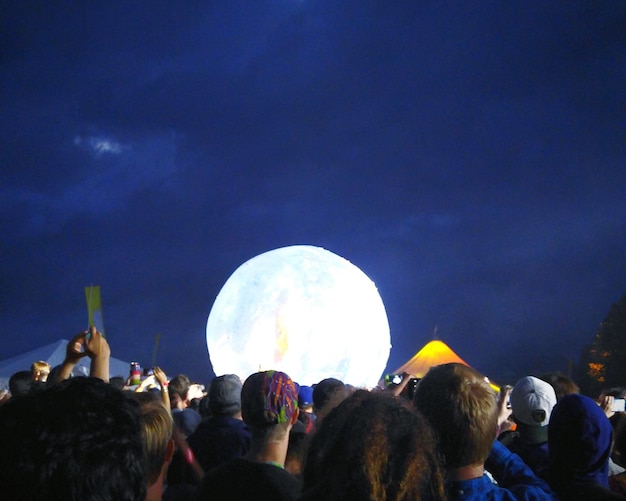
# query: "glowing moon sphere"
302,310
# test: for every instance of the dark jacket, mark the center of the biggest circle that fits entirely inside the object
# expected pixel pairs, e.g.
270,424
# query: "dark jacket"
579,441
219,439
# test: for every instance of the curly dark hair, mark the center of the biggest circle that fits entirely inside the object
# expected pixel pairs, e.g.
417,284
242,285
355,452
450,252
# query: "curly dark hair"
77,440
373,446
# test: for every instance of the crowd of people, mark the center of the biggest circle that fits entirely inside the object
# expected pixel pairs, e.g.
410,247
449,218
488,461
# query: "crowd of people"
451,436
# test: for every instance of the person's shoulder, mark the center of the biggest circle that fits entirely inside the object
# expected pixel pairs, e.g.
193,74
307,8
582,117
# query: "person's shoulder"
222,476
509,437
474,488
278,483
238,427
262,481
266,474
232,465
238,423
484,488
228,422
188,420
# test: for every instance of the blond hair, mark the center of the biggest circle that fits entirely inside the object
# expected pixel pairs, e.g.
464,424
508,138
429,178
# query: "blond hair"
156,433
463,410
40,370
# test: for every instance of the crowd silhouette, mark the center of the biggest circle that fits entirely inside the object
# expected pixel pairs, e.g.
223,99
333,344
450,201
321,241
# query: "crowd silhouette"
448,436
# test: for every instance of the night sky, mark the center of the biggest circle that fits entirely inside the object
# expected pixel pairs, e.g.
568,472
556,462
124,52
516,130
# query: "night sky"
469,157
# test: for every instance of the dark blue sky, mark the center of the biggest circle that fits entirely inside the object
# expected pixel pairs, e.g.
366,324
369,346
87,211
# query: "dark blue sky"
469,157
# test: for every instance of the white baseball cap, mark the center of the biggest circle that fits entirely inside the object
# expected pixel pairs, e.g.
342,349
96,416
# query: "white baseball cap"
532,401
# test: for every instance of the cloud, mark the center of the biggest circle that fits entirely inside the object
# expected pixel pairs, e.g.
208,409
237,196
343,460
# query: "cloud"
99,145
101,184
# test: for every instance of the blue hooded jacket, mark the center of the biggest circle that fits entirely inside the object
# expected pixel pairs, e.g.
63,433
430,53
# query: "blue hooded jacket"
579,442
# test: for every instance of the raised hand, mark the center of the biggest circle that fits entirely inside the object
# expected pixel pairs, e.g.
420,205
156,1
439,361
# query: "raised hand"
96,344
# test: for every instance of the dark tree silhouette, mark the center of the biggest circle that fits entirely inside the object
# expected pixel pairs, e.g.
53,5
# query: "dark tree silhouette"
603,362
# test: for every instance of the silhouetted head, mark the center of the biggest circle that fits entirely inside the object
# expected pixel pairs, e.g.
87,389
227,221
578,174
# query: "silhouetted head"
76,440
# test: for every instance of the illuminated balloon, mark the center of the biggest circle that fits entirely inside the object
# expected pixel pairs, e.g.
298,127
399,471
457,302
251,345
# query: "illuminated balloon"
302,310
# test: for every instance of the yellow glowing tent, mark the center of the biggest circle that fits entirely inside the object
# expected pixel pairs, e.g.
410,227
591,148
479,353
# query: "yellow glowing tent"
435,352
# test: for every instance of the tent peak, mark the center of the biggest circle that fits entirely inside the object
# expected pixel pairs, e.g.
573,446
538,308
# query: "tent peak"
435,352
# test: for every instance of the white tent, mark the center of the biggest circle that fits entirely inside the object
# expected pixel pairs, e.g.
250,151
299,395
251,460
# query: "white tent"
54,354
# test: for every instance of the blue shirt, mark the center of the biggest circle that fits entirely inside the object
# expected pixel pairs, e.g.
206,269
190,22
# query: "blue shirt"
516,481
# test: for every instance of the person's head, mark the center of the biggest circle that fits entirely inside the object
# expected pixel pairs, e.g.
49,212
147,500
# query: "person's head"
615,391
156,434
21,383
462,409
305,399
269,405
324,391
373,446
562,384
77,440
179,389
118,382
40,370
532,401
225,396
579,442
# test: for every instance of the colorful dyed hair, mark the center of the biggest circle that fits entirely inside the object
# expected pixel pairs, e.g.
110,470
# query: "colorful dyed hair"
268,398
